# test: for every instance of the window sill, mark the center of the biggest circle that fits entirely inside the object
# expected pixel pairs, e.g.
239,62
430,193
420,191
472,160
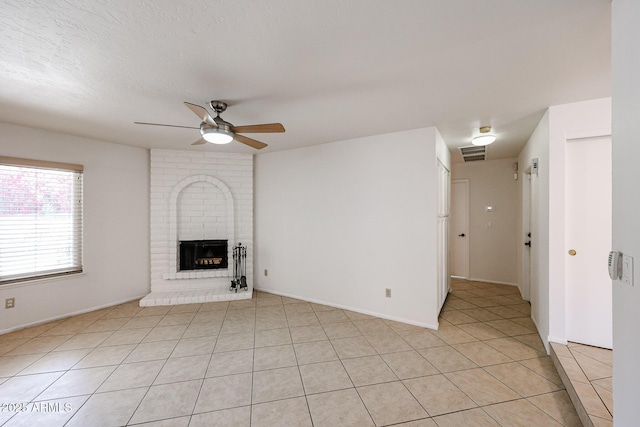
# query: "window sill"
35,281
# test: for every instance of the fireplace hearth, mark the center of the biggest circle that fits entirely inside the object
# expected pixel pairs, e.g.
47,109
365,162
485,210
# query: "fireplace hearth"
203,255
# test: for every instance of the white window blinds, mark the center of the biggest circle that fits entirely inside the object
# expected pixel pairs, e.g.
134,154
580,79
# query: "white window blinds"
40,219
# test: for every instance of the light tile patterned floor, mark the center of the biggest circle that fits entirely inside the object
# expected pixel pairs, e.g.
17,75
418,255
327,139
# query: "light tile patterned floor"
587,373
274,361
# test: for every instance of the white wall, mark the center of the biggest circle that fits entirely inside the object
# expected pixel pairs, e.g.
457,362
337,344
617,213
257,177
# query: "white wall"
537,147
442,151
116,227
492,248
626,207
340,222
581,118
547,143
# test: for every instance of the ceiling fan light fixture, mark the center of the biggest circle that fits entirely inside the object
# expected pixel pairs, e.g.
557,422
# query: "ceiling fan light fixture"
218,131
216,135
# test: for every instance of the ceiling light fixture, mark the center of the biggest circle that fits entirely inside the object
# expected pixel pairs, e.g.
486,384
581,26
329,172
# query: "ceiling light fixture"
216,135
485,138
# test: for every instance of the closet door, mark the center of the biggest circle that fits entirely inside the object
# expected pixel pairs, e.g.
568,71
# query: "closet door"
444,179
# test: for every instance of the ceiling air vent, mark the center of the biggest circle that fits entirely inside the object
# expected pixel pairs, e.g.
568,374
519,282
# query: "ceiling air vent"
473,153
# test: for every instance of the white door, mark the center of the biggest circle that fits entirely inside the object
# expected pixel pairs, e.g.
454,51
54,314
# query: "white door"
460,228
536,296
527,208
588,241
443,233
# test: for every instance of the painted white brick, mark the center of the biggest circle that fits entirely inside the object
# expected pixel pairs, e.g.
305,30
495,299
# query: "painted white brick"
231,174
202,211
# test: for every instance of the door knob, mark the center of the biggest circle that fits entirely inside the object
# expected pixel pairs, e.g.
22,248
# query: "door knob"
461,235
572,252
528,243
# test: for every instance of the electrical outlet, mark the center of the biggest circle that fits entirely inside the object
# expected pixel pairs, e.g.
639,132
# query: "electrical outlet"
9,303
387,293
266,272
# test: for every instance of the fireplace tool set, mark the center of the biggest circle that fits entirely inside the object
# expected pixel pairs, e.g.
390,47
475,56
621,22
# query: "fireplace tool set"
239,268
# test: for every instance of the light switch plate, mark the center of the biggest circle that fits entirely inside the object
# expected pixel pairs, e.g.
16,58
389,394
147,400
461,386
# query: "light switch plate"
627,270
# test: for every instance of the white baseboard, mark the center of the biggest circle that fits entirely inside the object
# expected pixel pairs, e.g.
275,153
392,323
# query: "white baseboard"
551,339
562,341
492,281
64,316
357,310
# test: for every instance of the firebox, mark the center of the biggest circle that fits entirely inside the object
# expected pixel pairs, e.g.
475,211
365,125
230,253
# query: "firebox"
203,254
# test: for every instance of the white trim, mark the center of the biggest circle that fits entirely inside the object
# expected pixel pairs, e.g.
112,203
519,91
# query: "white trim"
467,222
599,133
524,272
38,281
492,281
562,341
356,310
40,164
64,316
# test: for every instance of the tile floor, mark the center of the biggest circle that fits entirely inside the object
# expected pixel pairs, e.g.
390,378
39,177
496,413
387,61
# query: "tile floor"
587,374
274,361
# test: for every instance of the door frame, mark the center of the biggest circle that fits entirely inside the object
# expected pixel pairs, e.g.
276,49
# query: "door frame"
464,181
443,235
527,206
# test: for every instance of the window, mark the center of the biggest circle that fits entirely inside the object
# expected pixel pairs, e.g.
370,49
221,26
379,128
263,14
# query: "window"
40,219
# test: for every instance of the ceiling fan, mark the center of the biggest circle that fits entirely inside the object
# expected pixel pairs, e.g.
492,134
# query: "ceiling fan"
218,131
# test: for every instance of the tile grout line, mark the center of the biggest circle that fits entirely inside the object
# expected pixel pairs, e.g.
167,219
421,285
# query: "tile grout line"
150,385
67,371
590,384
304,389
253,360
323,325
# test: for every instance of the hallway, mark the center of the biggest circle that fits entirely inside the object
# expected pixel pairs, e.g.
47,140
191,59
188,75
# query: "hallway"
494,350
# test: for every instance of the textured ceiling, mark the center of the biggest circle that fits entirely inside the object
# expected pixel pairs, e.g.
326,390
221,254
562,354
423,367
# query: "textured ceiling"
328,70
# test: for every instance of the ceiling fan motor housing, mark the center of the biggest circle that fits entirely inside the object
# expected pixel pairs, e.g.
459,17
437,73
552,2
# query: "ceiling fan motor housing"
218,106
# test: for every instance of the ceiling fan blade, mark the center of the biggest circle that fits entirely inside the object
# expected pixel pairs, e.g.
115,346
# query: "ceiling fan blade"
250,142
201,141
265,128
202,113
170,126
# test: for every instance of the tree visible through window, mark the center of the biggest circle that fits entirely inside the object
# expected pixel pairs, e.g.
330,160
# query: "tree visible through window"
40,219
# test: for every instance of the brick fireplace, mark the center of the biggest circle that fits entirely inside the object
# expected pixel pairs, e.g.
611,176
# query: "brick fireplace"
198,197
